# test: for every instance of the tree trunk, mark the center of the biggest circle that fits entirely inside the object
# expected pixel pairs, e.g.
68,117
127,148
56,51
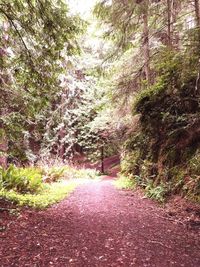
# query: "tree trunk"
197,12
177,6
62,132
169,22
146,42
3,148
102,160
173,9
61,145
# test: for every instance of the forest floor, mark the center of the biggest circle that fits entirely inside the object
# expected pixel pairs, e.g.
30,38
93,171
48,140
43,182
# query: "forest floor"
99,225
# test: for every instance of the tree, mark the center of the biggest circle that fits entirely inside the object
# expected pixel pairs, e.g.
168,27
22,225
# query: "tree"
145,14
154,71
34,37
197,12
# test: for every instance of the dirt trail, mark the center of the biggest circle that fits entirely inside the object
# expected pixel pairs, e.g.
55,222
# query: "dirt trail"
99,226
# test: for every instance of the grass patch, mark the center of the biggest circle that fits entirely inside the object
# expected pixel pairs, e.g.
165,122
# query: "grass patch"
40,187
49,194
125,182
73,173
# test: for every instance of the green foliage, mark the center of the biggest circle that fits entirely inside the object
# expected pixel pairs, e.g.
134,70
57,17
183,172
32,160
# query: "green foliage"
121,21
156,192
151,92
169,121
68,126
21,179
191,188
130,162
48,195
162,149
176,176
194,164
53,174
168,66
131,182
125,182
37,39
2,135
41,187
81,173
147,170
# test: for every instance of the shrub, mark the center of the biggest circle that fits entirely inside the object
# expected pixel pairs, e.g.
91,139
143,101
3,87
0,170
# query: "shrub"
130,162
156,192
54,174
21,179
125,182
192,188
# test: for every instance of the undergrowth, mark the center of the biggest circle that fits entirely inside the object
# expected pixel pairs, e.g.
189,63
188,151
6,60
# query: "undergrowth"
163,150
125,182
48,195
40,187
21,179
156,192
131,182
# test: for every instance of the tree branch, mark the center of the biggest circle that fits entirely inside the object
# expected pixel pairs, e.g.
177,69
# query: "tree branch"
17,31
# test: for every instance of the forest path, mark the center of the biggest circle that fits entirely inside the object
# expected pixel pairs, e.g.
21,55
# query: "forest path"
99,225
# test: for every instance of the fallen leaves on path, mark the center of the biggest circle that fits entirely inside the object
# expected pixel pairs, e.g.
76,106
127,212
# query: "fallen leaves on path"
99,226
